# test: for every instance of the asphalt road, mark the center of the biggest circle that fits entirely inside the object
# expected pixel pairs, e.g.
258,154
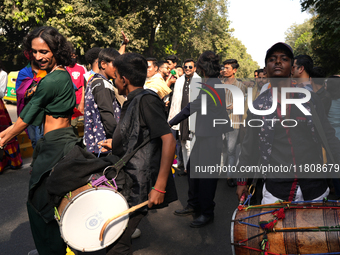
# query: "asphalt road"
12,110
162,231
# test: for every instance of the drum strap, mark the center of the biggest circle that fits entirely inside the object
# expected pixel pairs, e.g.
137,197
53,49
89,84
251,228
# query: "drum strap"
318,126
121,163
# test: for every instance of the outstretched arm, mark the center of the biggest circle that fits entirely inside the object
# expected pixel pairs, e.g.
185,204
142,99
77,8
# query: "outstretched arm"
123,46
12,131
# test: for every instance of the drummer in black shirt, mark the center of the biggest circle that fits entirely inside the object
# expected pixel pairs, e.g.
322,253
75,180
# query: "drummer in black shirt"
142,116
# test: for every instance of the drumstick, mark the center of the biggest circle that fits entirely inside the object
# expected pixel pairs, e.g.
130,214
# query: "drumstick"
132,209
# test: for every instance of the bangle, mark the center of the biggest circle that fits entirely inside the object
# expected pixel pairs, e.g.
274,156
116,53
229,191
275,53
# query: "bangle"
160,191
2,147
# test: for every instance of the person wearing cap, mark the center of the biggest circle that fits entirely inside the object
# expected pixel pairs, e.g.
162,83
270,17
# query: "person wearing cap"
285,145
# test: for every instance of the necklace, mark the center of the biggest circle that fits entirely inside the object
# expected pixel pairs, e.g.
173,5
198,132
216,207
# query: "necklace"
56,68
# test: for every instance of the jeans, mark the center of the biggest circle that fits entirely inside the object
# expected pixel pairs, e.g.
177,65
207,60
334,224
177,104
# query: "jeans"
178,151
229,149
35,133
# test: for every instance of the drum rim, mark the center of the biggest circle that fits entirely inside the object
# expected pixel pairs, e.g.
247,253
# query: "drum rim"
88,190
232,231
80,194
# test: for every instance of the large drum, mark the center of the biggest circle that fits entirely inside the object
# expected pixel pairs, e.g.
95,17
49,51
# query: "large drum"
83,214
302,233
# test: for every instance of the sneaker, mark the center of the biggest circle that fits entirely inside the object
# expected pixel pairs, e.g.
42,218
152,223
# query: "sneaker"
33,252
136,234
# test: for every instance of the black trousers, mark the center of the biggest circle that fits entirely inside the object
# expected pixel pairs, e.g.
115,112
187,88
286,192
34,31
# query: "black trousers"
123,245
206,152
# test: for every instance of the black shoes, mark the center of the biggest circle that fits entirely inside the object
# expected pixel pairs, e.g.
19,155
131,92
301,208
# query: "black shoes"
201,221
184,212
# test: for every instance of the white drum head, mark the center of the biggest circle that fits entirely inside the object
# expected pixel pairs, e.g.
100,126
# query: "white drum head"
84,217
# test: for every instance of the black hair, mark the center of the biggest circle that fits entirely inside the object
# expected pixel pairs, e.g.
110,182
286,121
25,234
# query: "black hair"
233,62
256,71
208,64
173,58
260,71
92,54
318,72
189,60
305,61
57,43
161,62
133,67
333,86
179,66
318,75
73,56
153,60
107,55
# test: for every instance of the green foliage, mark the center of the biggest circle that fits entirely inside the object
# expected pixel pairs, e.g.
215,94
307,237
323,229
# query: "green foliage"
326,33
299,37
155,27
239,52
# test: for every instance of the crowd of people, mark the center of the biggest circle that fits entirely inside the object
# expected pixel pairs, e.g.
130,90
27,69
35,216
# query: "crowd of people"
128,100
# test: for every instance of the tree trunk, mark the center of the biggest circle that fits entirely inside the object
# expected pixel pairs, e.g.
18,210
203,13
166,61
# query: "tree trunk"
151,41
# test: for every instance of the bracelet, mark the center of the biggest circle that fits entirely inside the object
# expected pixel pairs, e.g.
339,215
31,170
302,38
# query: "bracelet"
160,191
2,147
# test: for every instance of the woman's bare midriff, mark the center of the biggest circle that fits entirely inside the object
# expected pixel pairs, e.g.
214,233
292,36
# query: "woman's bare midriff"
52,123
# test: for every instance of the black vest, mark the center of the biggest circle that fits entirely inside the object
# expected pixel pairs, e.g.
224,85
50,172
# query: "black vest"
143,167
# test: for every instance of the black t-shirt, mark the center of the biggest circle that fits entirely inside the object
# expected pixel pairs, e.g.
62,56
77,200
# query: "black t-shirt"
152,116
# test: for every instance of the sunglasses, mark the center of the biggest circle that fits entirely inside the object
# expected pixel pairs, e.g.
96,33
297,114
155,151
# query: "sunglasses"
186,67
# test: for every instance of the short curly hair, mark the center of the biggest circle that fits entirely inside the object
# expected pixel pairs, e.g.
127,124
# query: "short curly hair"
209,64
60,47
92,54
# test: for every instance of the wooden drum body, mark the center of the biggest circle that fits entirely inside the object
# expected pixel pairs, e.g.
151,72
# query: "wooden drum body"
294,241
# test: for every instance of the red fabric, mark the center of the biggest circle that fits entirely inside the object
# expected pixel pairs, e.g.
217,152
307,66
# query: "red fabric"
241,183
12,156
77,75
76,113
280,214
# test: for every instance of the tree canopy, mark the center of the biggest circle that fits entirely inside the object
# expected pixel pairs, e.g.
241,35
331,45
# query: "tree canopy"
155,28
299,37
326,33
